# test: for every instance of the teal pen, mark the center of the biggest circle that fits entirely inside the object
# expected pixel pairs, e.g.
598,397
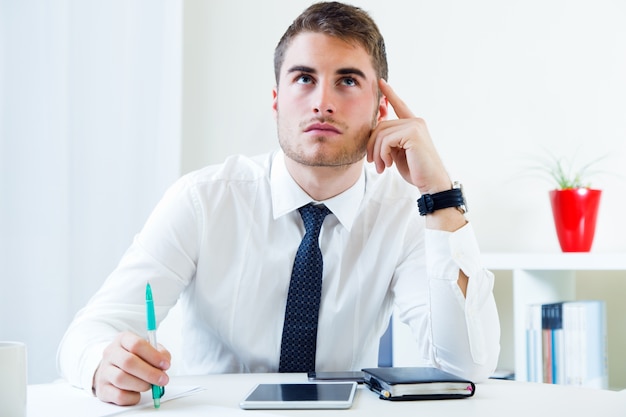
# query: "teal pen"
157,392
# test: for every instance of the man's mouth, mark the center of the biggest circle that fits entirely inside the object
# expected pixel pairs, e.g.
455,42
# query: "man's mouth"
322,128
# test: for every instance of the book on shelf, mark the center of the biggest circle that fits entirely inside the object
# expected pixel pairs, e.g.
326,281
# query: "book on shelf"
534,356
552,343
566,343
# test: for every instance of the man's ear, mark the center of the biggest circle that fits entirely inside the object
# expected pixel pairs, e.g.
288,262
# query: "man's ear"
383,108
275,101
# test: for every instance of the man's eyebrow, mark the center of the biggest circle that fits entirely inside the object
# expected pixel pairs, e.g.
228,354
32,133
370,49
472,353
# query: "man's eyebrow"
301,68
351,71
341,71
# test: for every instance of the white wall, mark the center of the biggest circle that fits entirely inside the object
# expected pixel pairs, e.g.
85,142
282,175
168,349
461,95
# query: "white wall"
497,82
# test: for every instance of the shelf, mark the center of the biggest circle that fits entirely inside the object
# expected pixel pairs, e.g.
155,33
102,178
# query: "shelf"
555,261
540,278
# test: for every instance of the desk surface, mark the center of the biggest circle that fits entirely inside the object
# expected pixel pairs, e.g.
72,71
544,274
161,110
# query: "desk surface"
493,398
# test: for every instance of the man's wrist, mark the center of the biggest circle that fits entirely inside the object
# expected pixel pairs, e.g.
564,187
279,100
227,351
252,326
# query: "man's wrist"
450,198
447,220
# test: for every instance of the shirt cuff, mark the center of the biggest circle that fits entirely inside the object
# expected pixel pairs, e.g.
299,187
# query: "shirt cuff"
447,252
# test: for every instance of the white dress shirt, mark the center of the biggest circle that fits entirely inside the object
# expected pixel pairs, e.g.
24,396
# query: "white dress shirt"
222,242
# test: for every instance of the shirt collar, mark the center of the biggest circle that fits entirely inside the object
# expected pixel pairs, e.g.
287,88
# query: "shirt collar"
287,195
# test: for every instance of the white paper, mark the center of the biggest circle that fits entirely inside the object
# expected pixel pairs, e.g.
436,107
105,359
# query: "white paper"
62,400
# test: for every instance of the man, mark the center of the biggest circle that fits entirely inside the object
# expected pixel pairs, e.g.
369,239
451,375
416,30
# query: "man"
223,240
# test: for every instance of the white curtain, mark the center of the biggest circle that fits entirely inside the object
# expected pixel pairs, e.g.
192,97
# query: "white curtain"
90,126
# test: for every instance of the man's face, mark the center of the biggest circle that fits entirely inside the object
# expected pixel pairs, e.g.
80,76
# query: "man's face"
326,103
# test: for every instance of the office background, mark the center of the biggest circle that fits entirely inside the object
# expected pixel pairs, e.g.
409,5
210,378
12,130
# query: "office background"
103,104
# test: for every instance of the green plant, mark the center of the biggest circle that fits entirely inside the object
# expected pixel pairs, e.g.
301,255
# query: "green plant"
565,173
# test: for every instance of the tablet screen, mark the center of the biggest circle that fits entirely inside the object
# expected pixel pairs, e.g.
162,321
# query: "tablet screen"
312,396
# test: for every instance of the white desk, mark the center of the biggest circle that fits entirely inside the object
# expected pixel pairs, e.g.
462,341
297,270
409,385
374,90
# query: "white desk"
493,398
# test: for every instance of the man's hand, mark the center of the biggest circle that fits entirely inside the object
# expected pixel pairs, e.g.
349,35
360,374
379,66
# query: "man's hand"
407,143
129,366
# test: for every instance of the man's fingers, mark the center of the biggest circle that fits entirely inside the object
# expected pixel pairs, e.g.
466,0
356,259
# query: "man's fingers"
139,359
113,385
111,394
399,107
386,142
123,379
158,358
389,135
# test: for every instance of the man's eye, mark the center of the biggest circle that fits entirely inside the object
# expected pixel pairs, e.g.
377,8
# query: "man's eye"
304,79
349,81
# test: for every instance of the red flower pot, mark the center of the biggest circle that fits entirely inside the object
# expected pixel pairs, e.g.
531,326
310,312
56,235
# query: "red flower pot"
575,212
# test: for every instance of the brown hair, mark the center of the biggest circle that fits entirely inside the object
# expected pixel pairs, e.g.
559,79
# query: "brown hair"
339,20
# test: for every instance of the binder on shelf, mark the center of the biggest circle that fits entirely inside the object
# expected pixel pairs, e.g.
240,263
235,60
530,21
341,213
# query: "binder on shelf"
585,337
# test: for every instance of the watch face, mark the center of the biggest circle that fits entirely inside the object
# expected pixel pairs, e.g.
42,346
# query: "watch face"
459,186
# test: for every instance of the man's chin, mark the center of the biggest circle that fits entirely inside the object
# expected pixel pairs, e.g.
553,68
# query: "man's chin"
324,160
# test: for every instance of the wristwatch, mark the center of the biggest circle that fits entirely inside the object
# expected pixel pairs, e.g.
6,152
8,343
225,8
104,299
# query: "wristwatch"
428,203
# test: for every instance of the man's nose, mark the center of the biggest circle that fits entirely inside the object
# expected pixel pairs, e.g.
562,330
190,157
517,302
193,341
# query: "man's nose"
323,103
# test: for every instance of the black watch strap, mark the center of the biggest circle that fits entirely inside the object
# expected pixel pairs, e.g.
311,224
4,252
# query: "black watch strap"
428,203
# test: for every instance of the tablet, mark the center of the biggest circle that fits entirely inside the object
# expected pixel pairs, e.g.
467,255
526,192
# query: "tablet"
326,395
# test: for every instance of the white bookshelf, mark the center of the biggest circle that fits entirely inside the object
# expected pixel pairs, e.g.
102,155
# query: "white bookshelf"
544,278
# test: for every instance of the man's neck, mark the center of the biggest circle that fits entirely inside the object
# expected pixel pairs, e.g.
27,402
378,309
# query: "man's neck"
322,183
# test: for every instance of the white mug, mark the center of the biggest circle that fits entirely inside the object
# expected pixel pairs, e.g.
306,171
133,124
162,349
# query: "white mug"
12,379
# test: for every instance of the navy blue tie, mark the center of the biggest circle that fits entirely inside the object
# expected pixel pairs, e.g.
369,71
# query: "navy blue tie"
297,351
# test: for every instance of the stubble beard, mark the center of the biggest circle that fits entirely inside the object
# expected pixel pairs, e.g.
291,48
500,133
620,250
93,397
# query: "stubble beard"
321,153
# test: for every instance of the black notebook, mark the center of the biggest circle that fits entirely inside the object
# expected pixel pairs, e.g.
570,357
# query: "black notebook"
417,383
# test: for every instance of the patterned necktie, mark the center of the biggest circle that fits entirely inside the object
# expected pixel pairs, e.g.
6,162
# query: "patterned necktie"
297,351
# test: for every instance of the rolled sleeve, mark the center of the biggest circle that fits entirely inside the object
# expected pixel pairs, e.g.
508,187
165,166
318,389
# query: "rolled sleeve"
447,253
